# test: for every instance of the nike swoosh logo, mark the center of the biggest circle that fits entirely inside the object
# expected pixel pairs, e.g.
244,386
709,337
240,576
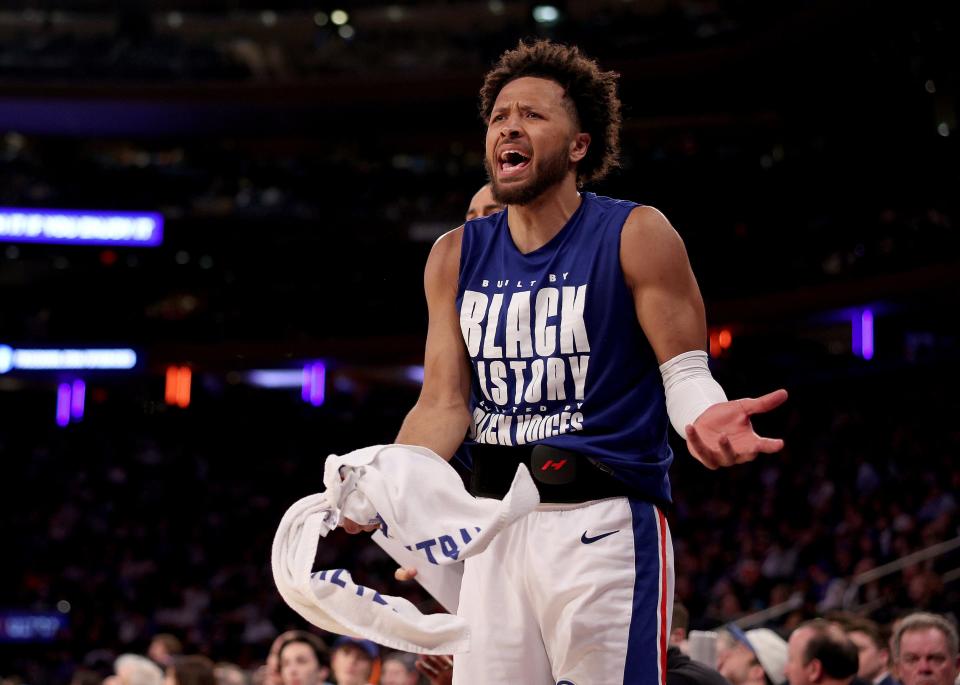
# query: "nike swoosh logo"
588,540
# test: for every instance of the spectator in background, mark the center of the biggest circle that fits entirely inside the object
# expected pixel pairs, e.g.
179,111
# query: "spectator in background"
190,670
352,661
399,668
681,669
83,676
271,670
758,658
679,625
303,659
133,669
230,674
725,643
874,657
925,650
163,648
820,652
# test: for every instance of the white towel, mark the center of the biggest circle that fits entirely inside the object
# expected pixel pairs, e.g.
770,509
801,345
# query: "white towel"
421,503
442,582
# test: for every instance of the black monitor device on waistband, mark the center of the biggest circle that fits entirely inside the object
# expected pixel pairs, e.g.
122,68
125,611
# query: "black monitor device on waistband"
561,476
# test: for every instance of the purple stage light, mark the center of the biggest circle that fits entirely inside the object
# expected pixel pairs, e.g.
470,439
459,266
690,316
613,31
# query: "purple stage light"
63,404
306,383
314,383
866,334
862,333
80,227
77,399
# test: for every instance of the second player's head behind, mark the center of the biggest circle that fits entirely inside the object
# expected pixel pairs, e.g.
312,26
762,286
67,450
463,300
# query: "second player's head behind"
553,122
483,203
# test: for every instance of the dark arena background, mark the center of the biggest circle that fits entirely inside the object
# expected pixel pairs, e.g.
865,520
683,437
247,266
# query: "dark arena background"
272,178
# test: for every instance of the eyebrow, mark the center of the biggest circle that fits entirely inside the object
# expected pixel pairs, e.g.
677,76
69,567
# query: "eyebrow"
523,108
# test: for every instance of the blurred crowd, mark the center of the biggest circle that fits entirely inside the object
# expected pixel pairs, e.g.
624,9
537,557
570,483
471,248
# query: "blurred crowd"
148,520
836,648
150,527
249,231
133,41
920,648
296,657
864,481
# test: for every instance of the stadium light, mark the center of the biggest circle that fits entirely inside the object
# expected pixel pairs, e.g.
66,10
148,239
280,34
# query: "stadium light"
121,359
63,405
725,339
545,14
862,333
177,389
78,393
70,401
275,379
314,387
80,227
866,337
414,373
31,626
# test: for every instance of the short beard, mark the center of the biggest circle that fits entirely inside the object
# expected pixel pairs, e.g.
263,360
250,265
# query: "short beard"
550,173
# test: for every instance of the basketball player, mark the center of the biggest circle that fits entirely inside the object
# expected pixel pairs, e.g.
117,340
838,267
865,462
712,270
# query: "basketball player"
564,333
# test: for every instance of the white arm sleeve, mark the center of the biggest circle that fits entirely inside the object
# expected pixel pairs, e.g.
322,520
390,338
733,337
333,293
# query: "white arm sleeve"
690,388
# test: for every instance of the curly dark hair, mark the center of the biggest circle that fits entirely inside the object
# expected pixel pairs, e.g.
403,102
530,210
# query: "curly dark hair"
592,92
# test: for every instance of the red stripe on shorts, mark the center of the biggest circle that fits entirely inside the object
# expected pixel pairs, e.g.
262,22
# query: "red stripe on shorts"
662,532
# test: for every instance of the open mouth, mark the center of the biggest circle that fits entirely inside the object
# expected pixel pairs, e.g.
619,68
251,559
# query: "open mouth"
513,162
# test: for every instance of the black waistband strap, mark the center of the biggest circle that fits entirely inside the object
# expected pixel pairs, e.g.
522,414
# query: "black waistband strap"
561,476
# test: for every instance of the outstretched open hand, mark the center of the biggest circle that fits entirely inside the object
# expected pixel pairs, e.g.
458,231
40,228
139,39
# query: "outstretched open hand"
723,434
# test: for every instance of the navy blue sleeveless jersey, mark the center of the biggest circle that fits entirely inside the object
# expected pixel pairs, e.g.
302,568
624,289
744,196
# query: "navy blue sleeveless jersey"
556,351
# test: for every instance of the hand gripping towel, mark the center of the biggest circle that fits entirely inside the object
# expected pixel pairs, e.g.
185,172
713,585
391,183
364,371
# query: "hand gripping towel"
420,503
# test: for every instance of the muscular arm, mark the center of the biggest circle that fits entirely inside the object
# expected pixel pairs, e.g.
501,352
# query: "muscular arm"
440,418
670,311
665,292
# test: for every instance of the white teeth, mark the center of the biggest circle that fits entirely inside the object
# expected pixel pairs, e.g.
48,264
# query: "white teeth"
523,157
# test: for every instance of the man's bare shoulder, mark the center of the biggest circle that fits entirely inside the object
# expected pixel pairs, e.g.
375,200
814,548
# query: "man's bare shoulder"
449,243
646,223
649,245
443,264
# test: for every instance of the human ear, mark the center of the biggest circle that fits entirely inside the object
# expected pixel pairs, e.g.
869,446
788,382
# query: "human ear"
579,146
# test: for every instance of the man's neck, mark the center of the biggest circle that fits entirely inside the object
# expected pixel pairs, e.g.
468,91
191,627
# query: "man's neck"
881,676
533,225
